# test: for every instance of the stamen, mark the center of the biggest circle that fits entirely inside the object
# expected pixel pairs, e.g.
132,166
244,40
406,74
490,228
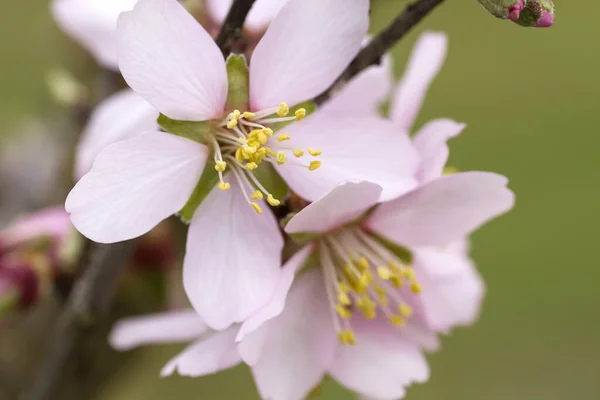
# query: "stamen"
256,207
224,185
251,166
283,136
283,110
249,115
220,166
314,165
298,152
257,195
272,200
281,158
300,113
314,152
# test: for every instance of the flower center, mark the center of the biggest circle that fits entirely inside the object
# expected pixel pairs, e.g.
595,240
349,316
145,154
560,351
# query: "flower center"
362,275
244,140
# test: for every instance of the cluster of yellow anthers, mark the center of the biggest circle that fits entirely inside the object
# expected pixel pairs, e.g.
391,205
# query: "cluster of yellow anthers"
365,277
241,142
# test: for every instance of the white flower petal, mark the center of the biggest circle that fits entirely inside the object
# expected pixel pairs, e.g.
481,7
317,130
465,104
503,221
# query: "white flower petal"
120,117
167,327
171,61
260,16
304,51
135,184
233,257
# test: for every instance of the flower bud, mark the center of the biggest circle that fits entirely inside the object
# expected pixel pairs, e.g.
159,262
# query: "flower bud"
19,288
529,13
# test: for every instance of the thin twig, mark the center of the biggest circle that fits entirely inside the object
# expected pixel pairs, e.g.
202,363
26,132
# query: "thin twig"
382,43
88,302
231,30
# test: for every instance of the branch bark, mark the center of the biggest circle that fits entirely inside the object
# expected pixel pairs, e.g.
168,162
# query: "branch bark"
88,303
232,28
381,44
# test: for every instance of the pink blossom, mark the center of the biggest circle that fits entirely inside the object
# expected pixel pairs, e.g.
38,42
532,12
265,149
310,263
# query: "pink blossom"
52,223
93,23
169,60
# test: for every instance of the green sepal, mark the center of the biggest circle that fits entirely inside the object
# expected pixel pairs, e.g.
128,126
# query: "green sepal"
309,106
196,131
239,83
270,179
303,238
208,180
401,252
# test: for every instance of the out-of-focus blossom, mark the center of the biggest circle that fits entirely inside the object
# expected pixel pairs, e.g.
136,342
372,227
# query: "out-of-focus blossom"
164,169
93,23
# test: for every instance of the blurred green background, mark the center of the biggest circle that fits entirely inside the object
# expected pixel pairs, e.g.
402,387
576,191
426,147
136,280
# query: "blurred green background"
530,98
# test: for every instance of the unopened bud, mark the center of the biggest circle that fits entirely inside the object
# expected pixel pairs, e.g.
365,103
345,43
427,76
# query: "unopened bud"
19,288
529,13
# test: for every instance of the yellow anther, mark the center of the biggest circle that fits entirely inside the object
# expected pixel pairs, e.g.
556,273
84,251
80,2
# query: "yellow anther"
384,273
283,136
257,195
298,152
405,310
343,312
224,185
415,288
396,281
379,290
283,110
262,137
314,152
251,166
236,114
364,303
314,165
268,132
256,207
249,115
220,166
395,268
408,274
363,263
344,288
273,201
232,123
238,155
346,337
248,150
344,299
300,113
397,320
281,157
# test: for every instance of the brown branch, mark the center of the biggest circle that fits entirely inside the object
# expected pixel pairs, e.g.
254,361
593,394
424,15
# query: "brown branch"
88,303
231,30
382,43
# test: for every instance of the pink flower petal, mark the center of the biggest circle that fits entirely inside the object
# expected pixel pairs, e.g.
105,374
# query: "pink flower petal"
120,117
171,61
365,93
208,355
261,14
276,304
135,184
233,258
344,203
93,24
431,144
425,62
365,148
304,51
167,327
381,364
51,221
300,345
443,210
452,288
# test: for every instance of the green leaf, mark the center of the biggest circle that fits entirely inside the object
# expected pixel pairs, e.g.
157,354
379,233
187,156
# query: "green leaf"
309,106
208,180
196,131
271,180
239,82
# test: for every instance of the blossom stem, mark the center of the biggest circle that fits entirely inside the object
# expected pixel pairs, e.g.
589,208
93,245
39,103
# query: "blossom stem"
382,43
231,30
